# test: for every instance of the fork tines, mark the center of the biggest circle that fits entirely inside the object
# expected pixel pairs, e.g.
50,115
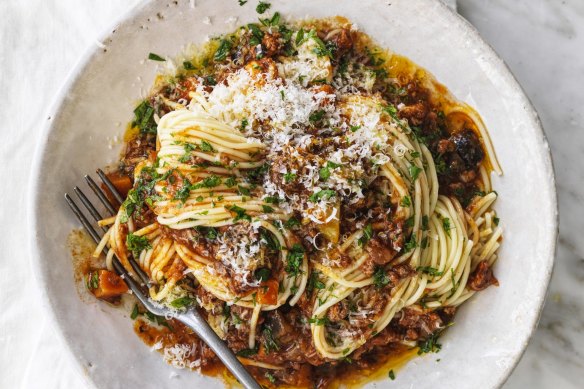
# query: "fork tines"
136,287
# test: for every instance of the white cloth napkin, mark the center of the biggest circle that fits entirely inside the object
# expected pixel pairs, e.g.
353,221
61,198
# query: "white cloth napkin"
40,42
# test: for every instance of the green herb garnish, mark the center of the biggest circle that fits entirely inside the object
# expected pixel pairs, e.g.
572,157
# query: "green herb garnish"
366,236
248,352
239,213
188,65
289,177
144,118
380,278
294,260
262,7
136,244
414,172
182,302
323,194
155,57
431,271
222,50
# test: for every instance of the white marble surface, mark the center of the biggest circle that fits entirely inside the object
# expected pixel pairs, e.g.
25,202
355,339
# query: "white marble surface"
543,42
40,40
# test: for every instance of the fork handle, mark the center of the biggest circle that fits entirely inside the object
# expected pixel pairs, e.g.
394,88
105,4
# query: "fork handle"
197,323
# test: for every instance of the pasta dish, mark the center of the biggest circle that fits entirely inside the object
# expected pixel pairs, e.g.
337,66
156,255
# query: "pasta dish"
325,203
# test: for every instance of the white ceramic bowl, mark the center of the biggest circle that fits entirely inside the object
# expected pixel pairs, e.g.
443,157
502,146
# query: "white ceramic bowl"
491,330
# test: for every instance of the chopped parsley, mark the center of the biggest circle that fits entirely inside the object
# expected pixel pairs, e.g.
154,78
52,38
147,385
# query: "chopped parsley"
188,65
206,146
405,201
411,244
256,34
496,220
158,320
242,190
135,312
410,221
455,284
430,345
324,173
272,200
273,21
155,57
270,377
323,194
144,118
270,343
270,240
314,282
291,223
136,244
183,193
380,278
212,233
446,225
391,110
142,190
92,280
230,182
208,182
425,226
319,321
248,352
222,50
289,177
366,236
262,7
182,302
267,208
210,80
440,165
242,2
431,271
414,172
262,274
239,213
391,375
316,116
294,260
244,124
189,148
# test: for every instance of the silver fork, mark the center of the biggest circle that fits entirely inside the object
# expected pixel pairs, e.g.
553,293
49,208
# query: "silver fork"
191,317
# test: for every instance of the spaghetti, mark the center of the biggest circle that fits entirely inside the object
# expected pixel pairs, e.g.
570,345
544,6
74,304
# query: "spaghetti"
316,202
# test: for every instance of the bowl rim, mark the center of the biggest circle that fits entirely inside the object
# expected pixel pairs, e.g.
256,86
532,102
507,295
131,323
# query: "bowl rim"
59,102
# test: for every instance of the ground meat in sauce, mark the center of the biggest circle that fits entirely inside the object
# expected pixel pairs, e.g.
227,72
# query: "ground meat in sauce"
272,44
343,42
191,238
379,253
137,150
338,312
482,277
461,155
415,113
